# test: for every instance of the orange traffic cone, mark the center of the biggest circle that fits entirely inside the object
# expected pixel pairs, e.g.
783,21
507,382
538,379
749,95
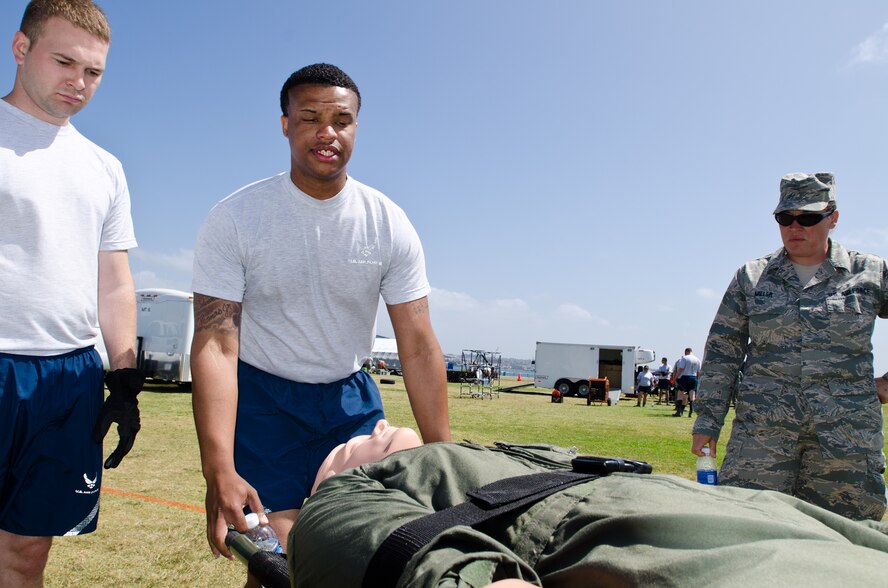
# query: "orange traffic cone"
519,376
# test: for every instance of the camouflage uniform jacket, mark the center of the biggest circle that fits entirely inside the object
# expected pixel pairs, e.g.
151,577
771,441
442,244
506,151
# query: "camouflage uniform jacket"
807,351
619,530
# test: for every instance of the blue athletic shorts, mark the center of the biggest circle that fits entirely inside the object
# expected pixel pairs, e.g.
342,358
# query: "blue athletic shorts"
687,383
285,429
50,468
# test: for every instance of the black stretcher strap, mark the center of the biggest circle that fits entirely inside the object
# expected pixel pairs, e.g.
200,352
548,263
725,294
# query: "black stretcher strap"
485,503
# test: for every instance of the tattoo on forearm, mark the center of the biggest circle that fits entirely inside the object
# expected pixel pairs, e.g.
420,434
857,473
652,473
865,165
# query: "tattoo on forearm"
215,314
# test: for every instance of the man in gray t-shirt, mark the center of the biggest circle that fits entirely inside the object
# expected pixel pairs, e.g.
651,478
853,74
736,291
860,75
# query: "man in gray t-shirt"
687,368
65,232
288,273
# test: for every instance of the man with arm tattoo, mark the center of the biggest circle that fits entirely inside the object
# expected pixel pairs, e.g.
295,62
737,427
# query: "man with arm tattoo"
288,273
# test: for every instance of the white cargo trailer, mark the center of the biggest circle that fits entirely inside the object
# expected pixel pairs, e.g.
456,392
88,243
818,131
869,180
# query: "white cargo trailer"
567,367
164,330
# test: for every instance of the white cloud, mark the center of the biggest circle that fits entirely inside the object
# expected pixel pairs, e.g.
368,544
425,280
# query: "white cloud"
509,325
462,321
448,301
154,269
873,49
574,312
870,240
181,261
512,304
706,293
512,326
147,279
445,301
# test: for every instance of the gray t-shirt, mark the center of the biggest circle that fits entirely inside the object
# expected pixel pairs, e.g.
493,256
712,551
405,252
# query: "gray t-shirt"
806,272
62,200
690,365
309,273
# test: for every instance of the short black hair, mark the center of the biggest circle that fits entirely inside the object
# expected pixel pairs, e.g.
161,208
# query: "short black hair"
322,74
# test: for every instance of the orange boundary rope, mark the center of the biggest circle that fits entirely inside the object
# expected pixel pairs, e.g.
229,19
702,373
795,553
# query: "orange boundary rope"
147,498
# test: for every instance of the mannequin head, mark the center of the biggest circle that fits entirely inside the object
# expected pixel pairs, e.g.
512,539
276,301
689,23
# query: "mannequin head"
384,440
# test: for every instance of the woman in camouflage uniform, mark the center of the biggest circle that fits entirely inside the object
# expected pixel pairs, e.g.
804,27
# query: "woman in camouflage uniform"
808,420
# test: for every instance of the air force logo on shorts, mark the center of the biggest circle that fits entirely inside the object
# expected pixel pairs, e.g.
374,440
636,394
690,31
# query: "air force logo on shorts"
90,485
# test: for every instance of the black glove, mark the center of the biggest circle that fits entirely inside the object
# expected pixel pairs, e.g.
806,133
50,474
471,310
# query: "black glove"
121,407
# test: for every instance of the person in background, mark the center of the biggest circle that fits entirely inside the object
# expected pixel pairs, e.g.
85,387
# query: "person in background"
288,273
65,228
808,419
687,368
664,377
643,386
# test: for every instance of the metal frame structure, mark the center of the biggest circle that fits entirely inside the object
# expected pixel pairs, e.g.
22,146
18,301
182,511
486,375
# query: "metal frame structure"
489,363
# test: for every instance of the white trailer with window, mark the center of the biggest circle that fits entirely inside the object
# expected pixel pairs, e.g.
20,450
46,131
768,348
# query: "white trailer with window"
164,331
567,367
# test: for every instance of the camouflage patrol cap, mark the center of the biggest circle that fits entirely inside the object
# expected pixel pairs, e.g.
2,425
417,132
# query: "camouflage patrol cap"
810,192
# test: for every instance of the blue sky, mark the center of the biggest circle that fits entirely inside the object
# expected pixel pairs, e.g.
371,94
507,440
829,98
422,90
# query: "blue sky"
578,171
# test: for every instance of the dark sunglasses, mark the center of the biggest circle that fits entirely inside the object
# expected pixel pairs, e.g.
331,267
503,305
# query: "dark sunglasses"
807,219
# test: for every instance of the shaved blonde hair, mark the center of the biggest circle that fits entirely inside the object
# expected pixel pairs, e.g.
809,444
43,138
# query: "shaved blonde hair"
83,14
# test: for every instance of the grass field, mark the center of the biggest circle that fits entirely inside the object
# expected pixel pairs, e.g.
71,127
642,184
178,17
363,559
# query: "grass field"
152,527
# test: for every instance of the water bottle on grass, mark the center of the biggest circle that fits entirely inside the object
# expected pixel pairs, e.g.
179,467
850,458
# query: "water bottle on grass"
262,535
706,472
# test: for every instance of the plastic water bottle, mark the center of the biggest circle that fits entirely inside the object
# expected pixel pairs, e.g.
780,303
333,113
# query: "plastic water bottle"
262,535
706,472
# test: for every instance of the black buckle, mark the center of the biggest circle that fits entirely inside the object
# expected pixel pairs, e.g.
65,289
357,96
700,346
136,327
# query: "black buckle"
591,464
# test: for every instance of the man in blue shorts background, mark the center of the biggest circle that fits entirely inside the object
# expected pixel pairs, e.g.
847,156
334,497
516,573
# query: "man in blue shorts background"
687,368
288,273
65,228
